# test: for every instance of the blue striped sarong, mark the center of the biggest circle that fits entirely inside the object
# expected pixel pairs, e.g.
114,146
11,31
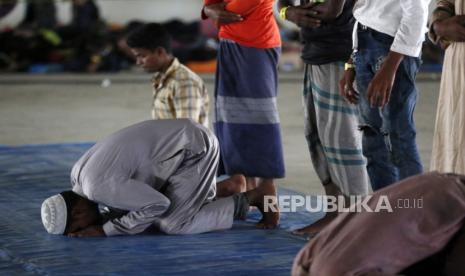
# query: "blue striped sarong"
331,123
247,119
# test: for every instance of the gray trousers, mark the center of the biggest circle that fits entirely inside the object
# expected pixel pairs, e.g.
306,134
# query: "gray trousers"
192,191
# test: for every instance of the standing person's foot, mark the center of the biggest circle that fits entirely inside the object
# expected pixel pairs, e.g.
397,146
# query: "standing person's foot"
233,185
256,197
313,229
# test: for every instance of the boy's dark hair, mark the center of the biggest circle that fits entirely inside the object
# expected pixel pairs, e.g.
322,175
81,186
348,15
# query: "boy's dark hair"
150,36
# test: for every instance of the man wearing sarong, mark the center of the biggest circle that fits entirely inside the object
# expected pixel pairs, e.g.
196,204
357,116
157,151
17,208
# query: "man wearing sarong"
331,123
247,121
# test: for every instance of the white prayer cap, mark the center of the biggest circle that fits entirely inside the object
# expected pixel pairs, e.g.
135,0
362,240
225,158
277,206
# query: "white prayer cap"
54,214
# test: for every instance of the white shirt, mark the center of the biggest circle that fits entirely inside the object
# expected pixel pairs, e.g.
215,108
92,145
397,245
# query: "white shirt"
405,20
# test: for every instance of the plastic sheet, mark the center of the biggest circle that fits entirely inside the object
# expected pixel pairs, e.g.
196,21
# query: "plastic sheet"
29,174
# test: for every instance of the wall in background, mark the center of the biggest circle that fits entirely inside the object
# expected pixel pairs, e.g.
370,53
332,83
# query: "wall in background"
122,11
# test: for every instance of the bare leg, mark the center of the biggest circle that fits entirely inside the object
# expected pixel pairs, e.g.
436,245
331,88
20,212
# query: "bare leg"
252,183
331,190
256,196
233,185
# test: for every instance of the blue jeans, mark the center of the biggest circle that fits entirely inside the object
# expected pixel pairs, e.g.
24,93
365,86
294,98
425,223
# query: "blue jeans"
388,133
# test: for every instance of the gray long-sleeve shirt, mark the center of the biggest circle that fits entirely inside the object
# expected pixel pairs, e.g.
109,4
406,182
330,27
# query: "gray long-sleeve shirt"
128,169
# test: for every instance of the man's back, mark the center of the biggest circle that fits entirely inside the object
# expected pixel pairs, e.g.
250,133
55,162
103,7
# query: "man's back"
149,152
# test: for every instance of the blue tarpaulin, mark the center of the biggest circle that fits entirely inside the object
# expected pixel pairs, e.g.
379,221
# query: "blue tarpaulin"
31,173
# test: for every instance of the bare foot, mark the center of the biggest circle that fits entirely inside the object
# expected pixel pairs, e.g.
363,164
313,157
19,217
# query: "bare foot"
256,197
233,185
311,230
314,228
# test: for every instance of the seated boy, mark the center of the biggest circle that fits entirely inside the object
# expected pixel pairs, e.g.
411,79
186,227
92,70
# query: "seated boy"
177,91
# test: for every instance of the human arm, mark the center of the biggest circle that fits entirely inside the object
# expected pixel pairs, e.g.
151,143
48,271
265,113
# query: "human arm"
215,10
380,88
329,9
346,84
410,35
144,203
445,25
301,15
326,11
408,41
92,231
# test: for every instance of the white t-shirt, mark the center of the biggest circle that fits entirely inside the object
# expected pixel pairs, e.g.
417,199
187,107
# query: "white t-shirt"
405,20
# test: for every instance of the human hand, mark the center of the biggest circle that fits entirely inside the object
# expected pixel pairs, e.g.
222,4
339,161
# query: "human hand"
217,13
303,16
91,231
346,86
379,89
450,29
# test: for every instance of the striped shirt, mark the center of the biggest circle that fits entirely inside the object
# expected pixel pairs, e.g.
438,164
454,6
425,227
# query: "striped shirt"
179,93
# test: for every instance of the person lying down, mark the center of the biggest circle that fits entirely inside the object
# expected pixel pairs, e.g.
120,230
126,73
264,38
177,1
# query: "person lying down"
158,173
423,233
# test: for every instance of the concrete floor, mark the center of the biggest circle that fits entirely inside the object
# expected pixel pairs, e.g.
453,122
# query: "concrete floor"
77,108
